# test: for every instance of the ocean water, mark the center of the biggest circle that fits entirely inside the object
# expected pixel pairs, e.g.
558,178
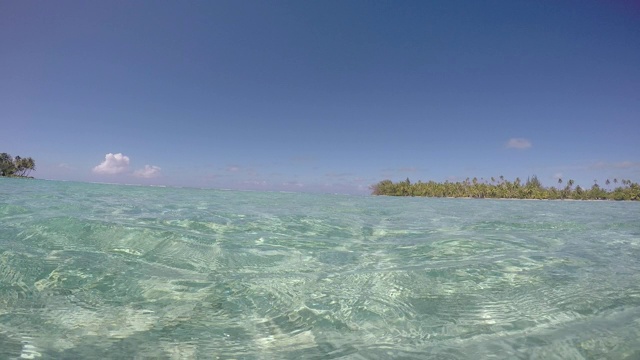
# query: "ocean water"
133,272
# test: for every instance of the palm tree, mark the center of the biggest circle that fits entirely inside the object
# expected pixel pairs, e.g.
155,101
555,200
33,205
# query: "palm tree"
18,163
7,167
532,189
15,166
29,165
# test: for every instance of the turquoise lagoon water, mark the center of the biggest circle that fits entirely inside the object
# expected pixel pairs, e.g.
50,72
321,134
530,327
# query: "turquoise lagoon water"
118,272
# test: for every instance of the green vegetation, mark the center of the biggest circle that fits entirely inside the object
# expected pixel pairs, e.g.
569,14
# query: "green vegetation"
504,189
16,167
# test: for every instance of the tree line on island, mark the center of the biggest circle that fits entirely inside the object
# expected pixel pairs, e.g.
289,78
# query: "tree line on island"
16,167
499,188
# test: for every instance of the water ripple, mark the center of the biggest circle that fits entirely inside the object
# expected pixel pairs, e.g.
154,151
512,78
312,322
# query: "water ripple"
116,272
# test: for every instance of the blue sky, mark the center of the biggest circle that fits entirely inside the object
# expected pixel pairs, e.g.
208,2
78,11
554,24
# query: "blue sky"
321,96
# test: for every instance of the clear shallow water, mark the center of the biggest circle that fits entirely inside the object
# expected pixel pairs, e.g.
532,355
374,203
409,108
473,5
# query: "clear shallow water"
116,272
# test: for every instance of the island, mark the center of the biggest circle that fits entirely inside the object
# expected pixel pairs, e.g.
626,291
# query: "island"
16,167
499,188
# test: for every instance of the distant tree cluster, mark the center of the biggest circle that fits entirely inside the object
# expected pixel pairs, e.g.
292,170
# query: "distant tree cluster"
17,167
503,189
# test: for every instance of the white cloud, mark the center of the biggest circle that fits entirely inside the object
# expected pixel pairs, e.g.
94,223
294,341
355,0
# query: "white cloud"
148,172
619,165
65,166
518,143
113,164
338,175
294,184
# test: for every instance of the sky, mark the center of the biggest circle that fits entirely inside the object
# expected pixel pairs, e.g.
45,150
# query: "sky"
321,96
